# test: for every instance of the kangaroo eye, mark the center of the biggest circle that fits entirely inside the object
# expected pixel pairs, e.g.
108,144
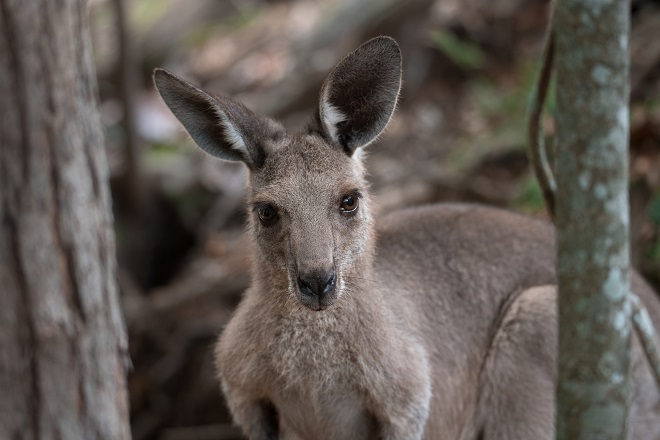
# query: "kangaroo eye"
267,215
349,204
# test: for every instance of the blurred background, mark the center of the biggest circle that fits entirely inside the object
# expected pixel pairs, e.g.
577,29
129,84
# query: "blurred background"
459,134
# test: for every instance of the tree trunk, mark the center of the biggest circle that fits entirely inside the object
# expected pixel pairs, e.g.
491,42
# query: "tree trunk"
593,391
64,346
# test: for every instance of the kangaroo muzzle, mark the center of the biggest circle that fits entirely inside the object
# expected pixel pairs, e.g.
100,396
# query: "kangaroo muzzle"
317,288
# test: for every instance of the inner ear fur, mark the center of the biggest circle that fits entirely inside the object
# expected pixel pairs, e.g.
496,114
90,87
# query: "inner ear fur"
222,127
359,95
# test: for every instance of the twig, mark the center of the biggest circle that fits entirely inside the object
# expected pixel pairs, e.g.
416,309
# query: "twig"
537,151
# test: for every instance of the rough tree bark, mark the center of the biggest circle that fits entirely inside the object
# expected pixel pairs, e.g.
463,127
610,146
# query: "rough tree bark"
63,344
593,391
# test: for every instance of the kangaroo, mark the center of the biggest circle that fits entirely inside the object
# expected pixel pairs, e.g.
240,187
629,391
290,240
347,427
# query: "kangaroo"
439,322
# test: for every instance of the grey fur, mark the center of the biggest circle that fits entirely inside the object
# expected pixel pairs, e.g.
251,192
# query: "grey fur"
442,322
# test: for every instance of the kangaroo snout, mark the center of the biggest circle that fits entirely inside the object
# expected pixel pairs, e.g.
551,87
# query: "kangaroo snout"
317,288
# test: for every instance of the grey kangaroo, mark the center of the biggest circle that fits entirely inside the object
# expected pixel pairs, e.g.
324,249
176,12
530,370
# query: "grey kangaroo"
438,322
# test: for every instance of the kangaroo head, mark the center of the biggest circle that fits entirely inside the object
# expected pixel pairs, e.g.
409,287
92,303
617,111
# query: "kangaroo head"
307,199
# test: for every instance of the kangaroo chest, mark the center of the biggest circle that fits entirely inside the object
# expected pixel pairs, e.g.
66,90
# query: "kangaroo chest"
329,411
317,392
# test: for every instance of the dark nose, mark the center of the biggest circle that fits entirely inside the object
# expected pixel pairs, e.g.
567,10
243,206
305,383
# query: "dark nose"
317,283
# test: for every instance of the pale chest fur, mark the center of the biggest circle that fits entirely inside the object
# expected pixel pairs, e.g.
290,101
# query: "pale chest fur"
330,411
309,366
314,347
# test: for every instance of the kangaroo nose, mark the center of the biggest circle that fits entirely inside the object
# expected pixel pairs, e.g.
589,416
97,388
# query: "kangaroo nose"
318,283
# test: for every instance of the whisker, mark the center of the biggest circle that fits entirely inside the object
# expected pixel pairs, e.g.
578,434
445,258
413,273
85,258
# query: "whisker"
358,278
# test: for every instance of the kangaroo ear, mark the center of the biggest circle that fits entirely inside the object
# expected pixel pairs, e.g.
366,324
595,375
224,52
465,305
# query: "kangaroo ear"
221,126
359,96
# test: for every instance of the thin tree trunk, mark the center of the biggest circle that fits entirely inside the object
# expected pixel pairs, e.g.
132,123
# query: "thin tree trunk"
62,337
132,183
593,392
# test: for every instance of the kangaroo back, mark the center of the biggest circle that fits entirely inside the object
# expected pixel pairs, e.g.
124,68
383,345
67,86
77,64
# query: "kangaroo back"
436,322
